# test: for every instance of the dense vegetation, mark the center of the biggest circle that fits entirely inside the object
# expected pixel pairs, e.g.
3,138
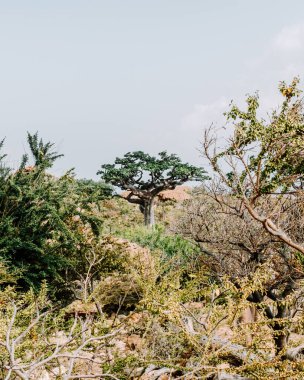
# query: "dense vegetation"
213,291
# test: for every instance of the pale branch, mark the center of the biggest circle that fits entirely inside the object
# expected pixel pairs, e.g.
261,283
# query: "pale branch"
270,227
24,370
100,376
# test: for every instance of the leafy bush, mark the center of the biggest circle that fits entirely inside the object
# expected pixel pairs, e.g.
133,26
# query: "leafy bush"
38,216
157,239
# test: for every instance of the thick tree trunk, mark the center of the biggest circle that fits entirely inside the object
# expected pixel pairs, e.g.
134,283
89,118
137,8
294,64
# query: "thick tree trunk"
276,318
280,340
149,212
281,334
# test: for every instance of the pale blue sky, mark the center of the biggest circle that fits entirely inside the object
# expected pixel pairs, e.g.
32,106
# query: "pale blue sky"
101,78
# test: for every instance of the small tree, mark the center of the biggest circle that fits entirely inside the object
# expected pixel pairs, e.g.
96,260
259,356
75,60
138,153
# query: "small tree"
235,246
259,187
264,158
144,177
43,153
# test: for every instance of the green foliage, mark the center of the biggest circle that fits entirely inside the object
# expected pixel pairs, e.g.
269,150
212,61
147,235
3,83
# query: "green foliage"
157,239
43,153
4,170
270,151
140,171
119,215
6,277
92,192
38,238
177,254
32,226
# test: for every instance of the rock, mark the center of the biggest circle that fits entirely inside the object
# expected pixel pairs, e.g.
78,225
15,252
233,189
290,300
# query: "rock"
135,318
81,308
150,368
164,377
179,194
134,342
295,352
28,355
58,371
296,339
134,373
118,291
194,305
224,332
229,376
238,351
223,366
119,345
59,338
156,374
40,375
122,290
121,317
136,257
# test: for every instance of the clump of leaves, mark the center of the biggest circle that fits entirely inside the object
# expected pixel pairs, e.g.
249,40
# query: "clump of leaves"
37,234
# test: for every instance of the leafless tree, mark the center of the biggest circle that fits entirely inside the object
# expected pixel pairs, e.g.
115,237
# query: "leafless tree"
235,245
71,349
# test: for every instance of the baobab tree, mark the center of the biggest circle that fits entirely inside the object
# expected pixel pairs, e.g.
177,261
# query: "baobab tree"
144,177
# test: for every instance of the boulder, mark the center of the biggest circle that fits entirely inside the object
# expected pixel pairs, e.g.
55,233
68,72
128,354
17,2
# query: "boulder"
81,308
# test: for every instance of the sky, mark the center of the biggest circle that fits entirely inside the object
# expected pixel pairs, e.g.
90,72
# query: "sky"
100,78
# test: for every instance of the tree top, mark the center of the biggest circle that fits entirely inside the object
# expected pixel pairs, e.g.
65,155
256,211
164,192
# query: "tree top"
141,172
